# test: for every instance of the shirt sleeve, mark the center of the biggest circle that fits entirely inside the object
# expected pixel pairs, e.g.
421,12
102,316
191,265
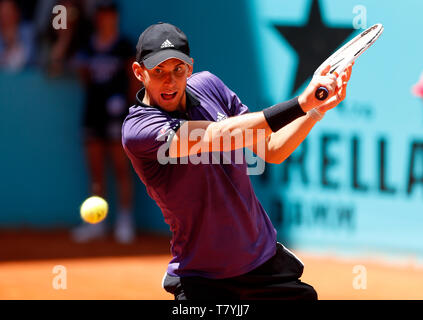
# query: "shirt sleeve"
236,107
149,135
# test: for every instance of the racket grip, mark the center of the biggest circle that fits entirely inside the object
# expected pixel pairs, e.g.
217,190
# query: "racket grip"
322,93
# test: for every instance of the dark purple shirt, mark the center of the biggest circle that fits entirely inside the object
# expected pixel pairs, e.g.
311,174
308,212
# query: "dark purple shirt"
219,227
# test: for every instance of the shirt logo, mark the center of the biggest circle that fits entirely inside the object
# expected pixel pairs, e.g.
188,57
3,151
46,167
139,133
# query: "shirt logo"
167,131
164,132
221,116
166,44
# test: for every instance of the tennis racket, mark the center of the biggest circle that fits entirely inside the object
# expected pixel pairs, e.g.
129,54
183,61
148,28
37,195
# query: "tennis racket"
347,54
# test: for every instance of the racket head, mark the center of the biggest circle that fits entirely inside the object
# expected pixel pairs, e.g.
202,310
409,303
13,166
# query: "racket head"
349,52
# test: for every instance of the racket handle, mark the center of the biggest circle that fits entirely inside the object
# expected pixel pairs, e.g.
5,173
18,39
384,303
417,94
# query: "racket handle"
322,93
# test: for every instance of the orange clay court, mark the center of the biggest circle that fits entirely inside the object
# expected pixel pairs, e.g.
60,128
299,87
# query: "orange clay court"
106,270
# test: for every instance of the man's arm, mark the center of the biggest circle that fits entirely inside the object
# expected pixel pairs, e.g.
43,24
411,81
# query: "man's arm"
230,134
281,144
248,130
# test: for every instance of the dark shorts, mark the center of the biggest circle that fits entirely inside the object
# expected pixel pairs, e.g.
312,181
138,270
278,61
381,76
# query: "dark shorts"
276,279
104,115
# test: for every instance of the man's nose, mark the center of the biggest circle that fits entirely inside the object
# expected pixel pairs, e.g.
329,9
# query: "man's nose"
170,78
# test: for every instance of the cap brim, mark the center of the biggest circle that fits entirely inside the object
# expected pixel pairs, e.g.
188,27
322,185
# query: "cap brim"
161,56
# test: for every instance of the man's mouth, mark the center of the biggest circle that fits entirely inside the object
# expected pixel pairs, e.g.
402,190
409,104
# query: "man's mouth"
168,96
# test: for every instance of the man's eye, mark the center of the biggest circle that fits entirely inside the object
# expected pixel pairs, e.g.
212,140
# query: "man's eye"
158,71
180,69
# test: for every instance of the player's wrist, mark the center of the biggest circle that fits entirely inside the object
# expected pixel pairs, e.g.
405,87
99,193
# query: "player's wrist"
306,99
283,113
302,101
315,114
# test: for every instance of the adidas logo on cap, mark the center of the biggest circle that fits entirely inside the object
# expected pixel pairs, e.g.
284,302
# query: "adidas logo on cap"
167,44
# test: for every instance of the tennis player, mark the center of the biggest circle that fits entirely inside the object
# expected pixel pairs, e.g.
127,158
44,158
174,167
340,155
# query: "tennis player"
224,245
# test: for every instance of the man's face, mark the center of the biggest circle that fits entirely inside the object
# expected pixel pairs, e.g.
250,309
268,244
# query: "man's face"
9,14
107,21
165,84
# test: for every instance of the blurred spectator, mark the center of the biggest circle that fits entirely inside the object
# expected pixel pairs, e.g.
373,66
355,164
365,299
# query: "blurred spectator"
16,38
105,68
58,47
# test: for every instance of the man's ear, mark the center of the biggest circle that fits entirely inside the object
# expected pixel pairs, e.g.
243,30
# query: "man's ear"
138,69
190,68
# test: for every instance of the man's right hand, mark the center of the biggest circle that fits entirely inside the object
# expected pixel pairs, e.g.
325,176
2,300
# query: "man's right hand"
335,85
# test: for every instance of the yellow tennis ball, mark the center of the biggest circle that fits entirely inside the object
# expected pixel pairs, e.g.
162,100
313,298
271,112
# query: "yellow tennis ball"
94,210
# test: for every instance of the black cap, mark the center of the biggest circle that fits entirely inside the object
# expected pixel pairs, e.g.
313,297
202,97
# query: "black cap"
160,42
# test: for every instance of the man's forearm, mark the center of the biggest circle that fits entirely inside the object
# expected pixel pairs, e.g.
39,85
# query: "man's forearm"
282,144
271,120
247,130
243,128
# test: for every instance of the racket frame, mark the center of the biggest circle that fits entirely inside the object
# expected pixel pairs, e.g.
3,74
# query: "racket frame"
338,67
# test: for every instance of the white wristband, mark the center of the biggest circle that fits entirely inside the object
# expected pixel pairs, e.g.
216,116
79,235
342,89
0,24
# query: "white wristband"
315,114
